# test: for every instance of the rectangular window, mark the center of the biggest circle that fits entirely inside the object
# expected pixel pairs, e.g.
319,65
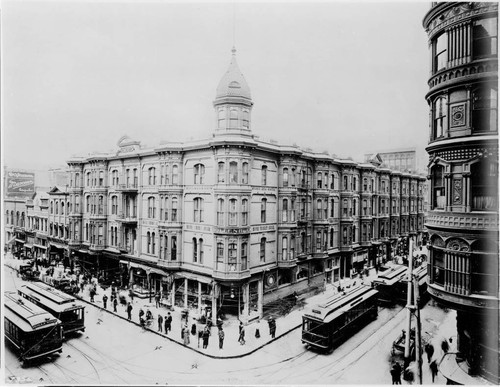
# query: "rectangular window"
264,175
173,248
440,52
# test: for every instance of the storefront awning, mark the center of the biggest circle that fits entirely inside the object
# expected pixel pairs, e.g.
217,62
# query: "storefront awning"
147,269
28,246
40,246
19,240
57,245
194,277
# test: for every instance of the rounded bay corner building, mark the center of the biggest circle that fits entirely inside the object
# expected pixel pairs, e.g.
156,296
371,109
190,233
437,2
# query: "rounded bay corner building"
463,173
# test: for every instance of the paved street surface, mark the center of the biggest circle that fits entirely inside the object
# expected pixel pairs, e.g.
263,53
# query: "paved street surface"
116,351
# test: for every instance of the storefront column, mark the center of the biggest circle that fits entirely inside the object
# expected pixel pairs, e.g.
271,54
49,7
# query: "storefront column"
199,297
185,292
131,276
172,294
215,291
260,297
246,300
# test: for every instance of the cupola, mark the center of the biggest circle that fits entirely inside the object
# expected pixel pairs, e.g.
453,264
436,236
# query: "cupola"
233,101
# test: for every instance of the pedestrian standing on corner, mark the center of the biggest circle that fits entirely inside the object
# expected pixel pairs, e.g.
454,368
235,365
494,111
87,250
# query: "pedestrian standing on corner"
273,328
157,299
105,301
129,311
434,369
221,337
241,338
429,350
160,322
257,330
168,323
205,336
396,373
185,334
141,313
115,304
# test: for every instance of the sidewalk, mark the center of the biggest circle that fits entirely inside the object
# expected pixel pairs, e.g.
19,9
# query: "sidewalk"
231,347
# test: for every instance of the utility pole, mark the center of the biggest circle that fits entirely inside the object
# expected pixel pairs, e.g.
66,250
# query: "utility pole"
409,306
418,337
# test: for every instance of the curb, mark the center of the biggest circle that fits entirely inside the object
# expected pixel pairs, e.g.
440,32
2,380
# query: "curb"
191,348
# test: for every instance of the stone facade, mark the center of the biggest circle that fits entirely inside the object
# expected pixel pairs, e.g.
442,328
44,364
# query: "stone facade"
463,174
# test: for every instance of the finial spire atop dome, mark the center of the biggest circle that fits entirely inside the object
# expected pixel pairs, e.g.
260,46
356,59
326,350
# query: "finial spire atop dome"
233,83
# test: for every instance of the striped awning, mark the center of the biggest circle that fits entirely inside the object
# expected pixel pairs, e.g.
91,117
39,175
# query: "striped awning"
40,246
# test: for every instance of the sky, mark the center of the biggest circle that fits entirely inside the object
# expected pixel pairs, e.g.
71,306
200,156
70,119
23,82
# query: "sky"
348,78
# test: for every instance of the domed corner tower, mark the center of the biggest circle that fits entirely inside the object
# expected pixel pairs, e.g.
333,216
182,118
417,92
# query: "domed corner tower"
233,102
463,170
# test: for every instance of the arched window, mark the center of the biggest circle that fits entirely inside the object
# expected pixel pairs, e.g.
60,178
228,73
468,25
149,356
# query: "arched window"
232,256
195,250
320,180
233,118
199,173
484,186
220,212
174,209
151,207
263,207
221,172
200,247
88,179
244,212
264,175
244,256
114,205
175,175
438,188
101,205
345,183
292,247
221,118
440,117
284,248
263,249
244,173
284,212
354,207
233,172
152,176
153,243
198,210
173,248
484,109
232,212
220,252
148,242
165,209
365,184
319,208
325,209
285,177
62,208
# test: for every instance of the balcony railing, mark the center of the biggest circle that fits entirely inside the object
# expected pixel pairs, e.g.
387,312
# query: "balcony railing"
128,187
230,272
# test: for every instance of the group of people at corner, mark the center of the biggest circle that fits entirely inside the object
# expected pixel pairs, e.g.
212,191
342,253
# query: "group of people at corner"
397,370
201,331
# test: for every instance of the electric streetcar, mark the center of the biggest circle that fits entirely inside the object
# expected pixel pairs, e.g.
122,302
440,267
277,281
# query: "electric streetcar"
31,330
326,325
59,304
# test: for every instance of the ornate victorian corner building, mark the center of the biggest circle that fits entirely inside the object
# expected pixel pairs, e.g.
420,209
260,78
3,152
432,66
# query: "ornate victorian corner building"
463,171
233,223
